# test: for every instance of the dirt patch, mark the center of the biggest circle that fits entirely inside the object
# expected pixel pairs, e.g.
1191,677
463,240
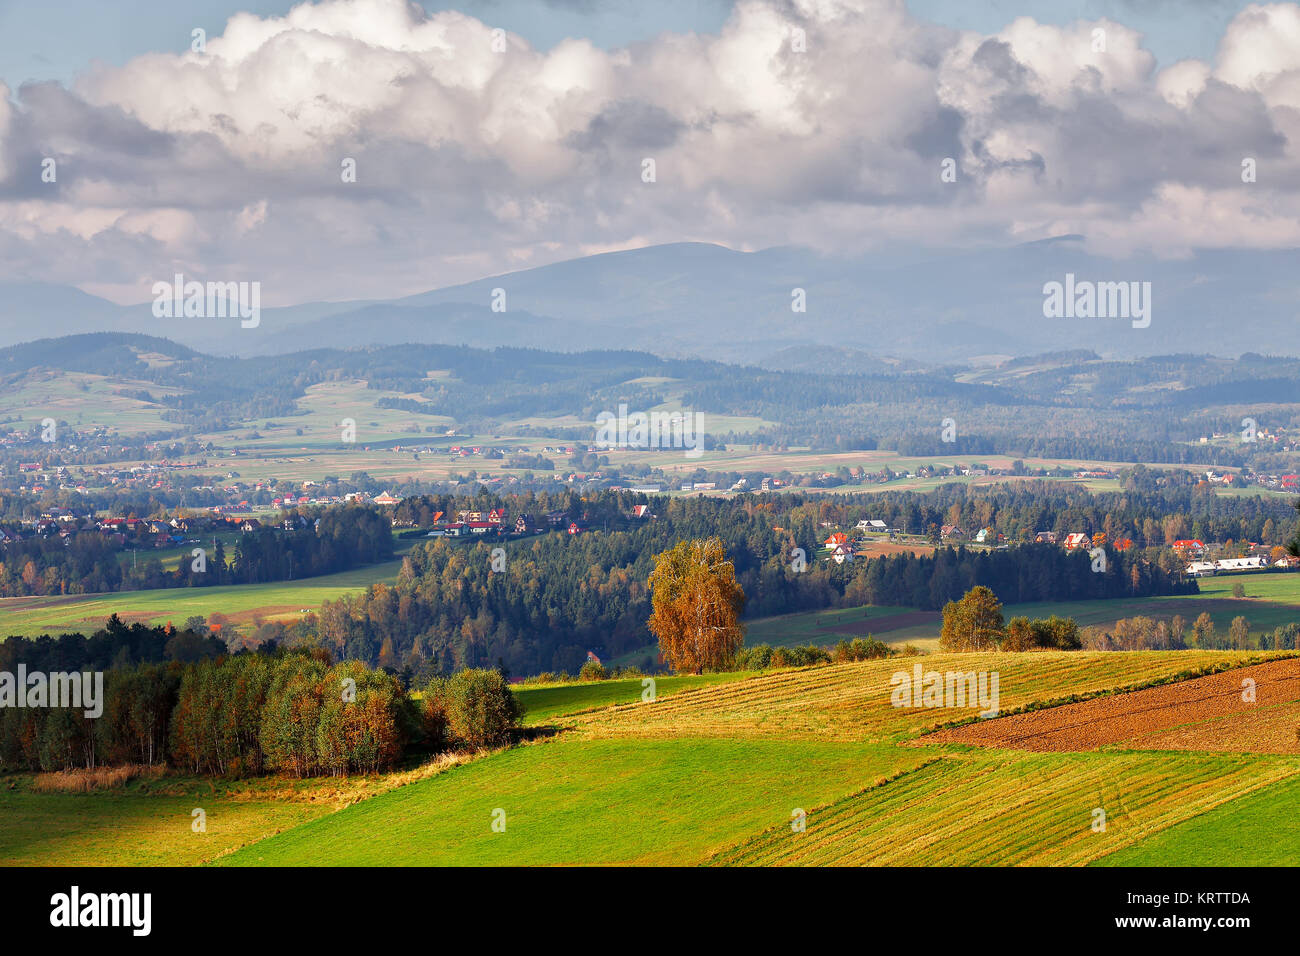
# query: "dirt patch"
1120,718
1266,730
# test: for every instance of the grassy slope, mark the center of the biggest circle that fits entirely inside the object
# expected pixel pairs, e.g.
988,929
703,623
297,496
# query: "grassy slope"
710,770
586,801
147,824
1259,830
1013,809
546,702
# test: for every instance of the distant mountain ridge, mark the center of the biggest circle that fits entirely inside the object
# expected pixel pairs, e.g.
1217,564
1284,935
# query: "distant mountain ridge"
703,300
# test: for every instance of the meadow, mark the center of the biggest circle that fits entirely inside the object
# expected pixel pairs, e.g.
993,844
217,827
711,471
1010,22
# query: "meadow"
808,766
244,604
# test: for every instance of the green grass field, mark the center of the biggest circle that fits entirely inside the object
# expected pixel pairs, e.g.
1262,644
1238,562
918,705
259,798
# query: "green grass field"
586,801
545,702
1259,830
244,604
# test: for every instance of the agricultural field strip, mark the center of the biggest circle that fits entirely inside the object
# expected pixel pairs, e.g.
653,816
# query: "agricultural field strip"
852,701
977,810
1117,717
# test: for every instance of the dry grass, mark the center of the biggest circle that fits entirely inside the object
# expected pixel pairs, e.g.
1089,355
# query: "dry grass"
101,778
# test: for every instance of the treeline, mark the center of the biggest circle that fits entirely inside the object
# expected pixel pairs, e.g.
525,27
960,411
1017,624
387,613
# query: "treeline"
117,644
337,539
292,713
1144,633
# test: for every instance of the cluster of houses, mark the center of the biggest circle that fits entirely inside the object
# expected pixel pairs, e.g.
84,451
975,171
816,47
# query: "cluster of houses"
65,523
1258,558
841,548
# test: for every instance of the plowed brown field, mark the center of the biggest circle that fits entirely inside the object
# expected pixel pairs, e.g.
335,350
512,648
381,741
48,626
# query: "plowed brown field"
1131,717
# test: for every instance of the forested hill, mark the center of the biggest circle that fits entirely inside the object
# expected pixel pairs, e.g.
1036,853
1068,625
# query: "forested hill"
1070,404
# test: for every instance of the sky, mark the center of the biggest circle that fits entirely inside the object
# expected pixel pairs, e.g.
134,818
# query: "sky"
37,42
126,154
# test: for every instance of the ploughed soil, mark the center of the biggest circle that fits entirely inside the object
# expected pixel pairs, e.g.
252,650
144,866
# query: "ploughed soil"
1126,717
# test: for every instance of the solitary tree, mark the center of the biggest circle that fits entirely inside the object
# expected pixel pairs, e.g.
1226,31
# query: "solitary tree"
972,624
1203,631
1239,633
695,606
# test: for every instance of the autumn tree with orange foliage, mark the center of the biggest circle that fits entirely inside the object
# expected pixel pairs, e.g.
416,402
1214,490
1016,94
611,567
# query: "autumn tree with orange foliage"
695,607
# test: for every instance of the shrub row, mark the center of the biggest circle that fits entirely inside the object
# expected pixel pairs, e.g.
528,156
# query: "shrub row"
762,656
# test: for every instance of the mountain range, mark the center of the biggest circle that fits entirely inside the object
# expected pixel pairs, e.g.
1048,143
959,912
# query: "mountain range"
699,299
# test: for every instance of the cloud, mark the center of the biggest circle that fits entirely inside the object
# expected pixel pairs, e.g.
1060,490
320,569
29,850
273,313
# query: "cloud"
818,122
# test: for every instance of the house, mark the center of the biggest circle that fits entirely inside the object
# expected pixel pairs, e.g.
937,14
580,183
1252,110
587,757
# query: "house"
522,524
1077,540
573,527
386,499
1192,546
1045,537
496,516
842,553
640,511
985,536
837,539
1242,564
872,524
952,531
481,527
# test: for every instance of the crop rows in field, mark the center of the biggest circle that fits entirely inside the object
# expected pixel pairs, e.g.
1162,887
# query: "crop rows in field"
852,701
1012,809
1122,717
